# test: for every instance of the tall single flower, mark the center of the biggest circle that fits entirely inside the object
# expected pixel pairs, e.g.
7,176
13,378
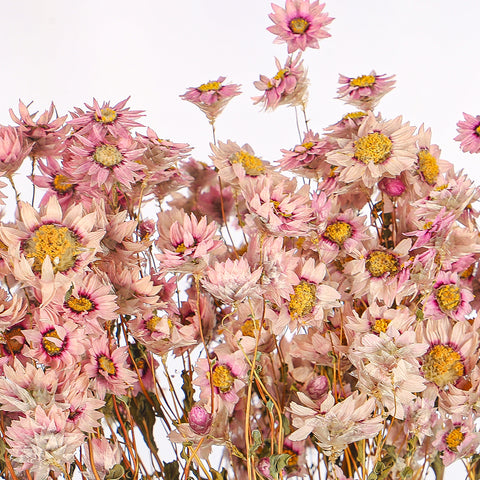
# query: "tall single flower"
300,24
212,97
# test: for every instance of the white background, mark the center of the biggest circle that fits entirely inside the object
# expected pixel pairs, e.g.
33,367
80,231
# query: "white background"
71,51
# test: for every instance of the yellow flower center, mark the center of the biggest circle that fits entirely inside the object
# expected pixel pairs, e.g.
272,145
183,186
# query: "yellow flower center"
61,185
108,115
59,243
428,166
442,365
477,130
299,25
281,74
380,325
468,272
12,344
354,115
379,263
338,232
308,145
293,460
362,81
107,155
207,87
106,364
81,304
276,206
151,323
51,347
253,165
374,147
454,439
222,378
249,327
180,248
448,297
302,302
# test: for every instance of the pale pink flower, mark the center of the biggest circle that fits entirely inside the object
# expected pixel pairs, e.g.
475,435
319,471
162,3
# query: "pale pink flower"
100,120
364,91
469,133
12,309
232,281
393,187
190,241
104,455
212,97
108,368
300,24
457,439
381,148
13,150
335,425
449,298
45,137
200,420
287,87
42,442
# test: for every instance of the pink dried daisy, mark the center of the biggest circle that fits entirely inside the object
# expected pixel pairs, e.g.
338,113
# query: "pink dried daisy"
306,157
365,91
287,87
212,97
232,281
42,442
98,120
13,150
108,368
449,298
381,148
469,133
103,162
67,240
300,24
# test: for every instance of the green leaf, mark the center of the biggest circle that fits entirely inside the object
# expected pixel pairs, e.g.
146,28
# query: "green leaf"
144,415
438,467
257,441
115,472
270,405
407,472
171,470
218,475
187,388
278,463
286,425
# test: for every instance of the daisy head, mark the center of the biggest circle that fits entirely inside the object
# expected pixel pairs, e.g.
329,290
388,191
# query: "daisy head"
364,91
469,133
300,24
211,97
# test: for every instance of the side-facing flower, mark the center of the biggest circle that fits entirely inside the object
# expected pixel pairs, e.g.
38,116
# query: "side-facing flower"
469,133
300,24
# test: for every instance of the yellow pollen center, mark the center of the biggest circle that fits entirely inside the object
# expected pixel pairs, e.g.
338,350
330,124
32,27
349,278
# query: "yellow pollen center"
280,74
299,25
428,166
442,365
381,325
338,232
454,439
181,248
302,302
467,273
3,246
13,345
307,145
222,378
151,323
362,81
253,165
249,328
477,130
448,297
293,460
354,115
108,115
276,206
107,365
51,347
374,147
61,185
59,243
107,155
81,304
207,87
379,263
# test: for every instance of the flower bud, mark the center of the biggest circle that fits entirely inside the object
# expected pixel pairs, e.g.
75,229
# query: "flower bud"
317,387
393,187
199,420
263,467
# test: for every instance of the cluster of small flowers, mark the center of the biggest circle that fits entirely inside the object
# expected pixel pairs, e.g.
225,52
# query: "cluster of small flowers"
324,304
